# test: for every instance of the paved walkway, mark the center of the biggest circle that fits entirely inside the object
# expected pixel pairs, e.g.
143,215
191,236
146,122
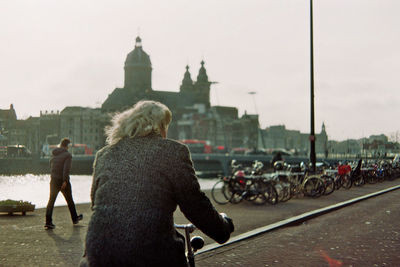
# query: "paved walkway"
364,234
24,242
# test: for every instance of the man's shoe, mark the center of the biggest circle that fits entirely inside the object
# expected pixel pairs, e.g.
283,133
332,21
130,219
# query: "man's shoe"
49,226
79,218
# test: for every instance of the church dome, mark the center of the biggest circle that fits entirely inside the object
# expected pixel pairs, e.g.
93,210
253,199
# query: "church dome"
138,58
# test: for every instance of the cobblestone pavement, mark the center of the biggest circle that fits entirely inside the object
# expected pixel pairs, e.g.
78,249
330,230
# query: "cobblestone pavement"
363,234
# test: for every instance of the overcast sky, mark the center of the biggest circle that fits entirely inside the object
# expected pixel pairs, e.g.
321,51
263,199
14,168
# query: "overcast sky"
63,53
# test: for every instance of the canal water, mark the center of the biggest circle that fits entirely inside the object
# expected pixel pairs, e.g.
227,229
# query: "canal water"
35,188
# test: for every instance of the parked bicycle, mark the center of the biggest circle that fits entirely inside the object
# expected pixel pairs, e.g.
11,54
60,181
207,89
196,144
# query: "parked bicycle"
244,184
254,184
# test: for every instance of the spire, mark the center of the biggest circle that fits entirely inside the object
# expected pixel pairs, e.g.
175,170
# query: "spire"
202,76
187,75
138,42
202,87
187,82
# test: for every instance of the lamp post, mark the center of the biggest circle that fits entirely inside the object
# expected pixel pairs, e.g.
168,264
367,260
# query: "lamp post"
259,132
312,134
254,100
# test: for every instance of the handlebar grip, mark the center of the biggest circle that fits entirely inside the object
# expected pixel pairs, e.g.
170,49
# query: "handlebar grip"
188,226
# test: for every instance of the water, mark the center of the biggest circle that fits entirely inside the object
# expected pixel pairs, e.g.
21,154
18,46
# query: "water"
36,188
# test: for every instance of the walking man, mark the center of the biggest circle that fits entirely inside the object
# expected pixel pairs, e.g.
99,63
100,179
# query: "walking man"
60,164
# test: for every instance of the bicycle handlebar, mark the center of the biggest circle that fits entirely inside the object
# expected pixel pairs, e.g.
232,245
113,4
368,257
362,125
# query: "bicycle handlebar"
190,227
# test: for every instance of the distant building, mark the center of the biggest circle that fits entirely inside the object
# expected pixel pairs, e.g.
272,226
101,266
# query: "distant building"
84,126
349,147
8,118
81,125
49,127
193,117
137,86
278,136
17,132
379,145
32,139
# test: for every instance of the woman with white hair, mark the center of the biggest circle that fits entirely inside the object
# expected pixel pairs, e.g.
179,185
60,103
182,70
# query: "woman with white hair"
139,179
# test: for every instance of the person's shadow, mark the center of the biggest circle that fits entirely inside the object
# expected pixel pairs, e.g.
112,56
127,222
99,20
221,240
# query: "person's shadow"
70,250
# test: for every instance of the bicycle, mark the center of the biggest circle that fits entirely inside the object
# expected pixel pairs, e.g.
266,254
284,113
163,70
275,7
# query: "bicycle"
302,182
243,184
220,191
193,244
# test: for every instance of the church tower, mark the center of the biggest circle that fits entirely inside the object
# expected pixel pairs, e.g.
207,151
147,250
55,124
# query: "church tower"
187,82
202,86
323,129
138,69
322,141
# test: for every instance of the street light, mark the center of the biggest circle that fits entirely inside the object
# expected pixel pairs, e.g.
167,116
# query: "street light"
254,100
312,134
259,133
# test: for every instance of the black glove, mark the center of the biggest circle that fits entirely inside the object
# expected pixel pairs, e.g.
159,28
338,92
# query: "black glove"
230,222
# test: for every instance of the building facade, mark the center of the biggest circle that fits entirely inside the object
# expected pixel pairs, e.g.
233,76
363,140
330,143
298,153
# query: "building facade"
84,126
278,136
8,119
194,118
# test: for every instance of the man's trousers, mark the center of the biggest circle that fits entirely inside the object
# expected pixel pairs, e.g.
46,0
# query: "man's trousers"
55,188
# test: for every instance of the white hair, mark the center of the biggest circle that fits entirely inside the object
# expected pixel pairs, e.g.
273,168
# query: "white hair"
144,118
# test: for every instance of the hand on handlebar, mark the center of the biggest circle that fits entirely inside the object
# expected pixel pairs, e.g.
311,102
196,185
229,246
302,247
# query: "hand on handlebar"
229,220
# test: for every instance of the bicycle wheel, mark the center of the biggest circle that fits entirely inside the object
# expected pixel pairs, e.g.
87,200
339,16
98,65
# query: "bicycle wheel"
371,177
380,177
259,199
329,184
258,188
235,192
313,187
295,189
338,182
284,192
219,194
279,190
236,197
269,192
346,181
359,180
272,195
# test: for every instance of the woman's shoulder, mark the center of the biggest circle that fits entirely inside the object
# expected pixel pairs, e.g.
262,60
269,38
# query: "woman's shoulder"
102,151
170,148
175,144
173,151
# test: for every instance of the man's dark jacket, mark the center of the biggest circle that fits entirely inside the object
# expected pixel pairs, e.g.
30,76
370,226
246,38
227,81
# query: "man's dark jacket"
137,185
60,164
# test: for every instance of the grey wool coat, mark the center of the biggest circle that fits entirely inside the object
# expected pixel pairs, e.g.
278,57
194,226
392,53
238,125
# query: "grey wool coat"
137,185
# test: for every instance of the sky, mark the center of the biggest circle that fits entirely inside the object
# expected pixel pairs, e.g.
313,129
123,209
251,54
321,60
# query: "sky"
55,54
